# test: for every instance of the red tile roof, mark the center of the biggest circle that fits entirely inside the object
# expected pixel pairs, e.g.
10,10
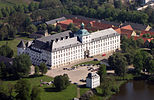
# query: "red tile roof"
67,22
145,39
127,27
146,32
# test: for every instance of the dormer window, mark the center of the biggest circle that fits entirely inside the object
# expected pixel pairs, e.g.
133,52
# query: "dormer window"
66,37
61,38
57,40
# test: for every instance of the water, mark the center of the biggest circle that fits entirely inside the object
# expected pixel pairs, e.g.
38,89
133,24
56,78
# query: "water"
135,90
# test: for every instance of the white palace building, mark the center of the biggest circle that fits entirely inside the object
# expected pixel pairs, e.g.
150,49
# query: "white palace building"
66,47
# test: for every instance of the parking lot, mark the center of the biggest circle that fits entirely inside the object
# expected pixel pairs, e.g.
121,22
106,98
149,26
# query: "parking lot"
75,74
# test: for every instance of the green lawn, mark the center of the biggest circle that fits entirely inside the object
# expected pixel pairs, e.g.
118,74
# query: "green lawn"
13,43
67,94
83,90
89,62
48,92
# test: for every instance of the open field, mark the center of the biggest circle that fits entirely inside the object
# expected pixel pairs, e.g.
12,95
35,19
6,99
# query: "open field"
13,43
48,92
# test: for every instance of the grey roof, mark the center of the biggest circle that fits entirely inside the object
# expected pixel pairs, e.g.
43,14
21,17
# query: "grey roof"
21,44
55,43
55,20
111,23
103,34
67,43
56,36
28,43
92,75
135,26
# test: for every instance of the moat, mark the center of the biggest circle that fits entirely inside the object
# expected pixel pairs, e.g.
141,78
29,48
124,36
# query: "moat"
135,90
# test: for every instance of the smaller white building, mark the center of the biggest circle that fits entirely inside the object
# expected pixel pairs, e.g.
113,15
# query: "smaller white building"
92,80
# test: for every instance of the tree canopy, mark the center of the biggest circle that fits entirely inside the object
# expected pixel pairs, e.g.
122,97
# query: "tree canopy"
6,51
21,65
61,82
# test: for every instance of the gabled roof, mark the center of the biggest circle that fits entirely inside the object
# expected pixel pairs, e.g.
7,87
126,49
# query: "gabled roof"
136,26
56,36
127,32
55,20
127,27
21,44
67,22
118,30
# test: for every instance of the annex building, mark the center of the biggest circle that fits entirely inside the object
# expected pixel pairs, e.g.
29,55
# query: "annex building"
92,80
67,47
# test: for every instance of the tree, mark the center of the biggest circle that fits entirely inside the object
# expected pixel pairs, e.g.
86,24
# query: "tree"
27,22
43,68
36,70
118,4
61,82
51,28
146,58
58,29
151,67
36,93
6,51
3,70
23,90
3,92
140,42
129,57
21,65
70,26
151,44
120,68
102,72
138,64
42,27
106,87
1,14
32,6
12,31
119,62
31,28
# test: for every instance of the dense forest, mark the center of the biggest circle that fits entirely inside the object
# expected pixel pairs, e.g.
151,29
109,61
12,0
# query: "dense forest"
19,18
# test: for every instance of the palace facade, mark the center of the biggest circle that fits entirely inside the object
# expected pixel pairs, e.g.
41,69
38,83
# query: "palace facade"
67,47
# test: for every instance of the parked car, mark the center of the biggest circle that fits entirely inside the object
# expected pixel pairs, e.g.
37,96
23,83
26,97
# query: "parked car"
95,60
104,54
91,56
64,68
82,80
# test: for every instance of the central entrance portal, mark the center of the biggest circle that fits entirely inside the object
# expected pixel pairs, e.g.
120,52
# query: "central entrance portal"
86,54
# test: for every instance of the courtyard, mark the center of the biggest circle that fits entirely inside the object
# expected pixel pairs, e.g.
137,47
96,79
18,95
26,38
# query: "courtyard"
79,73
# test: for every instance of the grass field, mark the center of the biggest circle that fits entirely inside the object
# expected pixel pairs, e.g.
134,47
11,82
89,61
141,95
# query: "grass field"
89,62
13,43
83,91
48,92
